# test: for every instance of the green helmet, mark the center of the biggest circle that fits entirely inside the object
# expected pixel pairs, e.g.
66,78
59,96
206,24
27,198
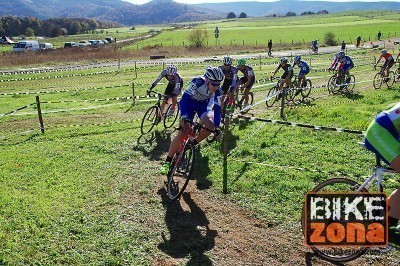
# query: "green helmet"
241,62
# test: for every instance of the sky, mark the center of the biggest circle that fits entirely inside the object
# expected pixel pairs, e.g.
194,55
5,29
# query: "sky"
139,2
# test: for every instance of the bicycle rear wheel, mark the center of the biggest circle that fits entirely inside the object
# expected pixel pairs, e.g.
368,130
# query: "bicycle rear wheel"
180,172
331,84
397,75
169,120
149,120
390,79
335,185
305,92
377,81
250,102
351,84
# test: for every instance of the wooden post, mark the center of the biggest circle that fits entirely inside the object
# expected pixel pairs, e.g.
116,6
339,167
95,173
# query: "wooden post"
133,94
260,62
283,95
39,110
310,61
119,64
225,159
163,65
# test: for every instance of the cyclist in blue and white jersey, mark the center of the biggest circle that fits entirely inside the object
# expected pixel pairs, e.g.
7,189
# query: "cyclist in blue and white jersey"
195,99
230,80
173,89
304,70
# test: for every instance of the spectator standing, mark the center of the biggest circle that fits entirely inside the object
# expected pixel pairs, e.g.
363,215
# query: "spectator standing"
358,41
270,47
379,35
343,46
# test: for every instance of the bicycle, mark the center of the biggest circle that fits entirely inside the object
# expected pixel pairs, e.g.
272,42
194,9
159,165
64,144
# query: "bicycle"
304,91
238,102
153,115
380,78
338,84
275,94
340,185
182,162
312,49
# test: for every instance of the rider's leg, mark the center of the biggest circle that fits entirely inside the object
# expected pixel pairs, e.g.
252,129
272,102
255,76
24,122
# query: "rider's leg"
208,121
164,103
246,95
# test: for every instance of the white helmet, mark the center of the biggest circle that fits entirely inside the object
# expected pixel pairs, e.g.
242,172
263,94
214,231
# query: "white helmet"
214,74
227,60
171,70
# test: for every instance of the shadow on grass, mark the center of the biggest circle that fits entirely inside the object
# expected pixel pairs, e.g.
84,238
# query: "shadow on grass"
310,255
153,145
189,232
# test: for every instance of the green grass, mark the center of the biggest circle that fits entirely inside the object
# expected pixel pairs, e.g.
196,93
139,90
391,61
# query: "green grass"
86,194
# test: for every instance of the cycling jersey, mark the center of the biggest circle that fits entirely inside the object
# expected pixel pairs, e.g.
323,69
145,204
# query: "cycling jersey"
288,70
175,81
383,134
230,78
195,99
247,71
345,63
335,62
304,68
387,56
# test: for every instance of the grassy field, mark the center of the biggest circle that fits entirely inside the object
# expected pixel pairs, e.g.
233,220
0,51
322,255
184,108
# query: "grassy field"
287,30
80,193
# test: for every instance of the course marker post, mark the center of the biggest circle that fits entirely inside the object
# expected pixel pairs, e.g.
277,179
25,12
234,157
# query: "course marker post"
39,110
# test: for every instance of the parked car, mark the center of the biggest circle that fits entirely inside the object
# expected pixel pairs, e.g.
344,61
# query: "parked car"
45,46
83,43
26,46
94,42
70,44
109,39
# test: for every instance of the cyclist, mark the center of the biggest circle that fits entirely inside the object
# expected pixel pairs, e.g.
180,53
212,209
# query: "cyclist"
314,45
287,75
195,99
383,138
247,81
230,80
304,70
345,64
389,61
398,69
173,89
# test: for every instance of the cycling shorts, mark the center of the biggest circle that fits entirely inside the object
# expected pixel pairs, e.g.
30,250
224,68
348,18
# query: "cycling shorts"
226,85
383,139
189,107
169,90
243,80
344,67
303,72
289,73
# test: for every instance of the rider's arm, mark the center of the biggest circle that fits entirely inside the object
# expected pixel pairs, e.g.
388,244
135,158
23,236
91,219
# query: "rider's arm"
334,64
378,60
250,75
234,78
217,108
177,88
276,70
162,74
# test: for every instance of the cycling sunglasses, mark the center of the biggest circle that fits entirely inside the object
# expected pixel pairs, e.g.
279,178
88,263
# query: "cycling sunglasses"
215,83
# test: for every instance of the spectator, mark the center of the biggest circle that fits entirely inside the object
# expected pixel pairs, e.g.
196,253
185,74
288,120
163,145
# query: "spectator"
343,46
270,47
379,35
358,41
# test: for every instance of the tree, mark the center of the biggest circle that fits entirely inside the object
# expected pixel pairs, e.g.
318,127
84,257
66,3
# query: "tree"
290,14
243,15
329,39
197,37
75,28
29,32
231,15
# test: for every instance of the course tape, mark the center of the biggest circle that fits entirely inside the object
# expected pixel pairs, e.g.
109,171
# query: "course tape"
102,100
16,110
95,124
293,124
64,90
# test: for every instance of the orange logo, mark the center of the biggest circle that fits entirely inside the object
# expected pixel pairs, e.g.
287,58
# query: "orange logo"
346,219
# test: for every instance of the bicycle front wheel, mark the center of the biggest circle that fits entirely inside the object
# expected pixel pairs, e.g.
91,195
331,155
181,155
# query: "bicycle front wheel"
337,254
270,101
305,92
149,119
377,81
171,117
331,84
397,75
181,170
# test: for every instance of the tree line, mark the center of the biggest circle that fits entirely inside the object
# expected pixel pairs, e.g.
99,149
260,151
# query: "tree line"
29,26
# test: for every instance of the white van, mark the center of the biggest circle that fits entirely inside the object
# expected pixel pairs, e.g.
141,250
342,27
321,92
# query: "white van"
26,46
45,46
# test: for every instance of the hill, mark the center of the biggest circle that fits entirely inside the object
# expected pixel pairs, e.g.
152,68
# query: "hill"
154,12
257,9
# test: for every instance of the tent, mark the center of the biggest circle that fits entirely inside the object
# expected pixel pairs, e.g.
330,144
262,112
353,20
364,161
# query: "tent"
6,40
